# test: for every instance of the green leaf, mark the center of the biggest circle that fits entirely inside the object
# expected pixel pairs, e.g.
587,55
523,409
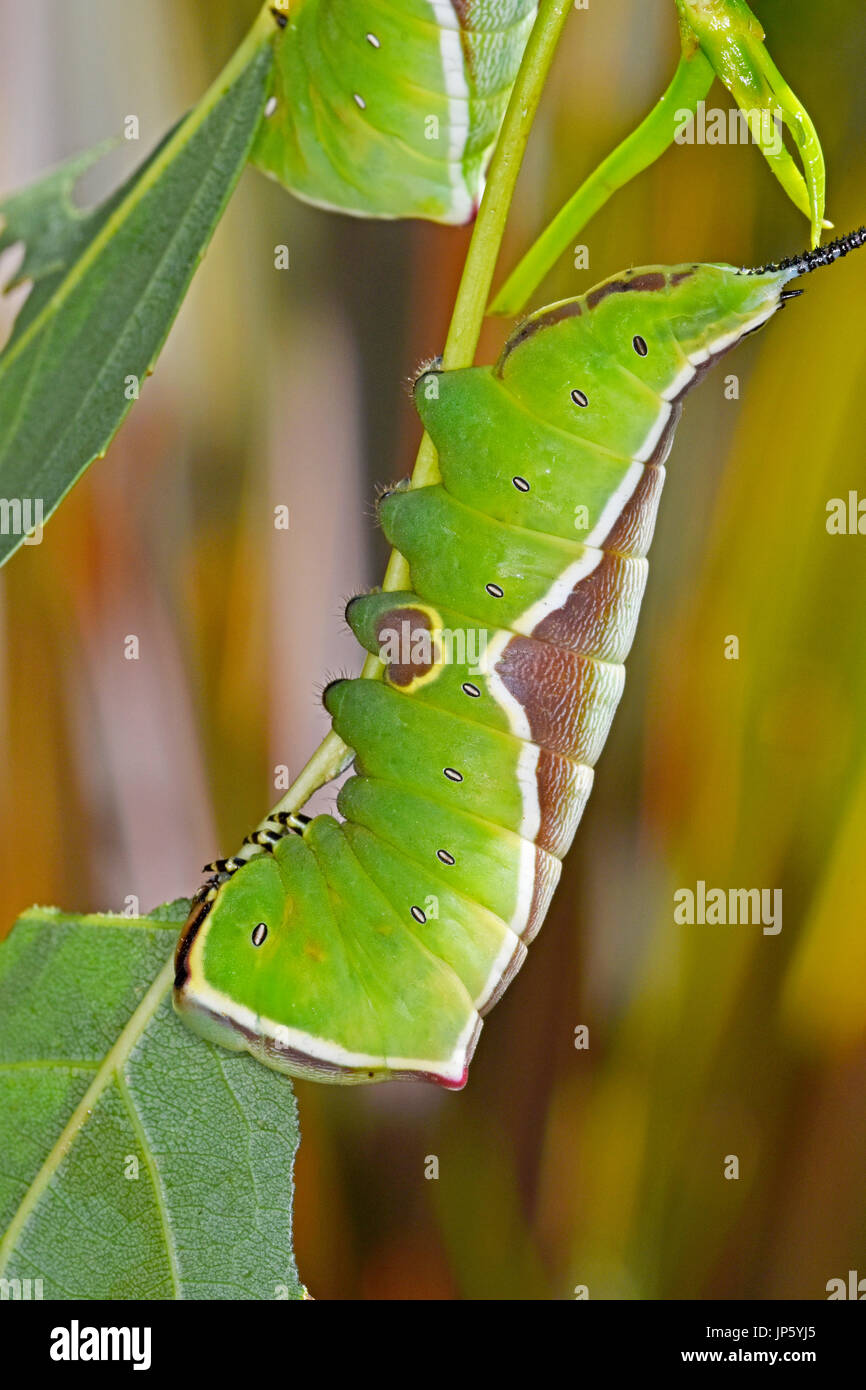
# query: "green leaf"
108,285
136,1161
732,38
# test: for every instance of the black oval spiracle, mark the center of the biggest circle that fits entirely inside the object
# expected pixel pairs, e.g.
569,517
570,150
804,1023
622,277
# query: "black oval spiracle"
521,484
444,857
471,690
639,345
494,590
452,774
259,935
580,398
419,915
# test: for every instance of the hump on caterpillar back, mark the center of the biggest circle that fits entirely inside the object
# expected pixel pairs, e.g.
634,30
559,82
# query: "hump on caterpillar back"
652,327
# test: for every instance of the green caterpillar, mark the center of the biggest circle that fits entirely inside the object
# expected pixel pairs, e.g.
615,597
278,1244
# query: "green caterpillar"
370,949
387,109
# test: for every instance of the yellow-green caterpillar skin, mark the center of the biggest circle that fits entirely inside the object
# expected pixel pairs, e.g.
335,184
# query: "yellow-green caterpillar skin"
391,108
370,948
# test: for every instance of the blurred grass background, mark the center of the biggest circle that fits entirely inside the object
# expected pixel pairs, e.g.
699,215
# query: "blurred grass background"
557,1167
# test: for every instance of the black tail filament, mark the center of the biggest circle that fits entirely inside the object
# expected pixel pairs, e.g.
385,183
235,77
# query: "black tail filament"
808,261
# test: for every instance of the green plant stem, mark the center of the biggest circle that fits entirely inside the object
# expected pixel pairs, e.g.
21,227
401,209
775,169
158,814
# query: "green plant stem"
333,755
691,83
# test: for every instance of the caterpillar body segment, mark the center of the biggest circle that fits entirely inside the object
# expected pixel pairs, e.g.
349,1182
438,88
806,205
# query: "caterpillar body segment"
391,108
575,696
369,948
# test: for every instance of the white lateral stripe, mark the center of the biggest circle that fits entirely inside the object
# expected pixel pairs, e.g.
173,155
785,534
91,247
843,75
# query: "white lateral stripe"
518,721
527,781
445,15
615,505
556,597
655,433
717,345
511,945
457,92
325,1050
559,591
525,888
680,382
